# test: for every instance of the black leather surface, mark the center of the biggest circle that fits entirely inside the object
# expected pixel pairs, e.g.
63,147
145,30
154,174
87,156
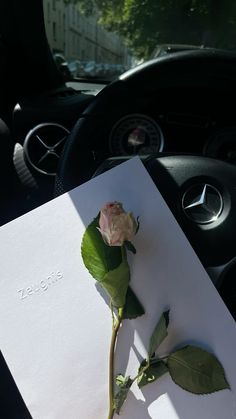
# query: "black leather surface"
201,68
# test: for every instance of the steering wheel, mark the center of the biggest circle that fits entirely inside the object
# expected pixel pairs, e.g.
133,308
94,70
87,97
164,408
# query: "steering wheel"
201,192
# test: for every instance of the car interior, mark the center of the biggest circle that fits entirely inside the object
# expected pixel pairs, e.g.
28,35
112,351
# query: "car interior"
176,112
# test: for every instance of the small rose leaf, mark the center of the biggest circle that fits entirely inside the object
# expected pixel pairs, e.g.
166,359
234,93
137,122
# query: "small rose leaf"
133,308
124,384
129,246
156,369
196,370
122,381
159,333
98,257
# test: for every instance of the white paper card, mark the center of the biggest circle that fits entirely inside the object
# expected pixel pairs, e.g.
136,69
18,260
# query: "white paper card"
55,326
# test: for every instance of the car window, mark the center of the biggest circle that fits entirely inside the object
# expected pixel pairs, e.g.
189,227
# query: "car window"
107,37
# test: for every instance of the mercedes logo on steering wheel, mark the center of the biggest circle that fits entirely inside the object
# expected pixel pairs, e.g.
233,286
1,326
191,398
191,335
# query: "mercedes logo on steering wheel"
202,203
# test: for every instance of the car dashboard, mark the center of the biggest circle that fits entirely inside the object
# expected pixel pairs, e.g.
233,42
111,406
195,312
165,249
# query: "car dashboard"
175,121
194,120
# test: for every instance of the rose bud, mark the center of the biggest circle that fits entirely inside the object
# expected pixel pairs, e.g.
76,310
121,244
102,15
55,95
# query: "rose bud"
115,225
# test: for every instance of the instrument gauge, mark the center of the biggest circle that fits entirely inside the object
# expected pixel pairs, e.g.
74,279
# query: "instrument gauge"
136,134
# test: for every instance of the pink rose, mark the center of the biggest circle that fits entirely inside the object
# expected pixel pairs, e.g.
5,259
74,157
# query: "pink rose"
115,225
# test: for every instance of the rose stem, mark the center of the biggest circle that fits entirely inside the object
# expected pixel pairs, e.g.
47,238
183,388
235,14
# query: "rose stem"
115,329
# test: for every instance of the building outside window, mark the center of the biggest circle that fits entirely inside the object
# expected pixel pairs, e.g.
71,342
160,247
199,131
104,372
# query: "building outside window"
54,31
49,12
74,44
80,37
74,16
59,19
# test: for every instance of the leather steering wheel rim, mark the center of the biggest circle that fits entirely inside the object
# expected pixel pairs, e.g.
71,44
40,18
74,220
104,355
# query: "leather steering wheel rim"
79,162
198,67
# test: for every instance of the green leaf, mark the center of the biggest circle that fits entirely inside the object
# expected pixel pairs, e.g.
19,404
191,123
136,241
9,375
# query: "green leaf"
129,246
116,283
159,333
124,384
105,264
98,257
156,369
196,370
121,380
133,308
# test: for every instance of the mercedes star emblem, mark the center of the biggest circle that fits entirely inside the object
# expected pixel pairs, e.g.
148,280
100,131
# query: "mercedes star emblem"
202,203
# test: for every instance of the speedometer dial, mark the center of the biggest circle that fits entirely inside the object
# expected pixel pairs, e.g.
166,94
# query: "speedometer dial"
136,134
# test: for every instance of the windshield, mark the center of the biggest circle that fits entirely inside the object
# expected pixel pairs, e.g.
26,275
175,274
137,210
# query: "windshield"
101,39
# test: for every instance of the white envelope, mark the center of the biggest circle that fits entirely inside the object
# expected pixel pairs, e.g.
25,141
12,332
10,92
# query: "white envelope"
55,326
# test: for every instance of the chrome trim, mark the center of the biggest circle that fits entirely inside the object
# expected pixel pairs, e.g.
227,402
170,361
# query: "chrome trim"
217,273
49,150
202,203
143,116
